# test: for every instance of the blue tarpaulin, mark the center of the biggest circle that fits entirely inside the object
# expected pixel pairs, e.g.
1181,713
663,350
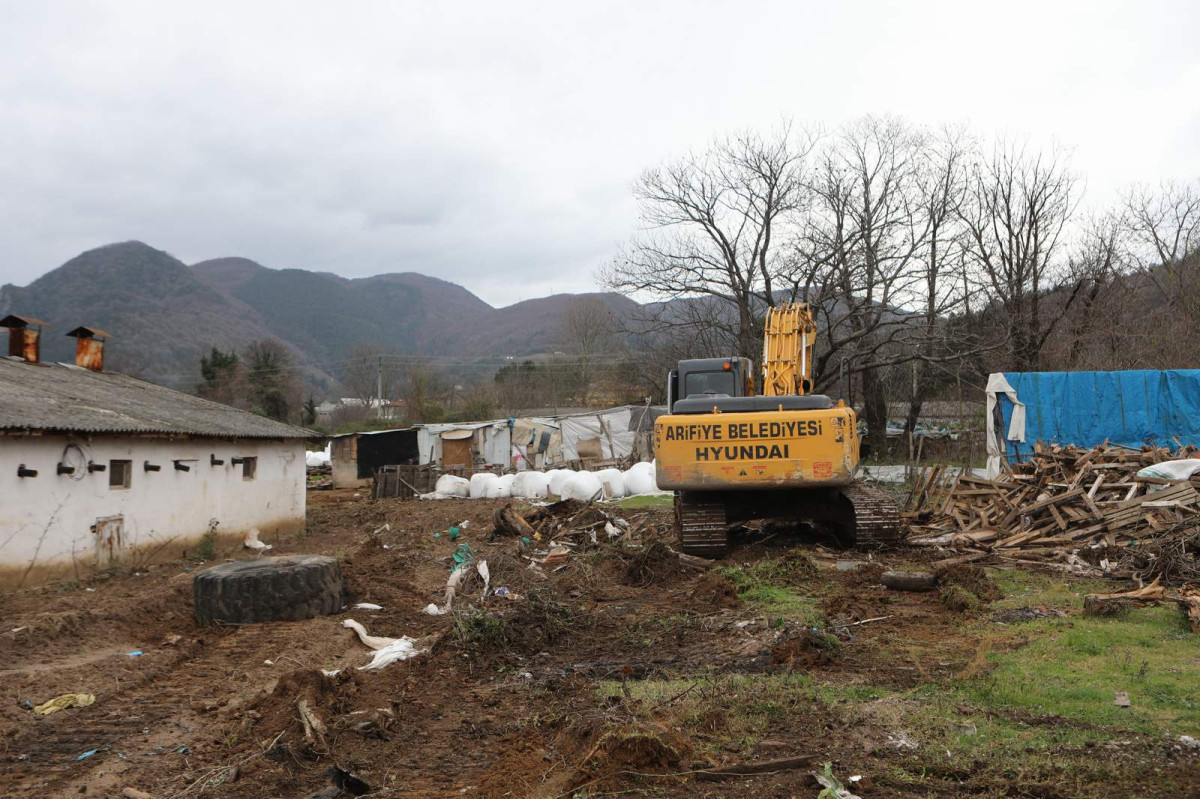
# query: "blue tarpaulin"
1132,408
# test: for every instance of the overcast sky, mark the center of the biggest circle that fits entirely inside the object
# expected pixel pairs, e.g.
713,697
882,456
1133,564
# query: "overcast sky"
493,143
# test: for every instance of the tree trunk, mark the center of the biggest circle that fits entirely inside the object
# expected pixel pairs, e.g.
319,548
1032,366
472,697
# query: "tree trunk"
875,412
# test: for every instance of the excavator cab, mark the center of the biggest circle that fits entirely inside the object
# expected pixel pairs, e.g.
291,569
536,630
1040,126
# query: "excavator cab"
713,378
731,455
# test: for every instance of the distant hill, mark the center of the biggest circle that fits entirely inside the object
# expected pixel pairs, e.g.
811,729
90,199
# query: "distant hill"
164,315
160,314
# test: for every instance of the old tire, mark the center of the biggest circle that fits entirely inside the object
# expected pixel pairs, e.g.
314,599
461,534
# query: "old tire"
285,588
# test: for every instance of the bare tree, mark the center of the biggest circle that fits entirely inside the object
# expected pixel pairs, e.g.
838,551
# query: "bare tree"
587,333
713,227
1164,230
1018,205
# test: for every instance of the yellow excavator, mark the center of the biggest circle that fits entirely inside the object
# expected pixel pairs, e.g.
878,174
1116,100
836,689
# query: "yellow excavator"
731,456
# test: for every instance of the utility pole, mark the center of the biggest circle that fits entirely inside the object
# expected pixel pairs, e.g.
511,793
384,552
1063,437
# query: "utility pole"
379,385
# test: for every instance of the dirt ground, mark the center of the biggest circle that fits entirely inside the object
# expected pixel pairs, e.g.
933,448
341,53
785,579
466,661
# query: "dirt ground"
542,695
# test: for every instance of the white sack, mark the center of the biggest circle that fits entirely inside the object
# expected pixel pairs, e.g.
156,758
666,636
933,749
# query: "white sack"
452,486
582,486
613,481
640,481
559,478
535,486
1172,470
481,482
501,488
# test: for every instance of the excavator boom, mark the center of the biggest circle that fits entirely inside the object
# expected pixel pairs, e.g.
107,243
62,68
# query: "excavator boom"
789,333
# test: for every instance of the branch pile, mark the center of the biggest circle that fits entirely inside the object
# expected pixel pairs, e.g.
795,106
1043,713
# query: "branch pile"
1060,500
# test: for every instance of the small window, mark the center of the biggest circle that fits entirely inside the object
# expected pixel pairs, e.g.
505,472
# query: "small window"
120,474
249,468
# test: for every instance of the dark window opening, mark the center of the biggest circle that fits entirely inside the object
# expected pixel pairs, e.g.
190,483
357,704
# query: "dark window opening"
249,468
120,474
710,382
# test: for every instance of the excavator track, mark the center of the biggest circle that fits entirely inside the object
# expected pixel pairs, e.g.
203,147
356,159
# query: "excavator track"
703,529
875,516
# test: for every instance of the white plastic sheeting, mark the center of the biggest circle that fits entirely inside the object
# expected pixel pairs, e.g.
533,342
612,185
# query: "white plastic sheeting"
611,427
482,483
452,486
531,485
313,460
490,440
558,478
997,384
501,488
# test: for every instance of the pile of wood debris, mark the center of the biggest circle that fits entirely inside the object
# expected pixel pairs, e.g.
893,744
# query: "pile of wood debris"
1062,499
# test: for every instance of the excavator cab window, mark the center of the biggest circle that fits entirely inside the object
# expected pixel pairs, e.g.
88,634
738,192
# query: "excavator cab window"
711,383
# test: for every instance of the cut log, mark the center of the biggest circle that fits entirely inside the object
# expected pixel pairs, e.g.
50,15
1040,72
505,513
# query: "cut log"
909,581
508,522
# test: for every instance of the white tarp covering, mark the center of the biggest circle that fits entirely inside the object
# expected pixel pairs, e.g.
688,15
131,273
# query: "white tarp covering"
996,385
489,439
610,427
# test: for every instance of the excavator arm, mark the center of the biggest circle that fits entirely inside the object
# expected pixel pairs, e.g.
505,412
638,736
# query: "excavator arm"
789,333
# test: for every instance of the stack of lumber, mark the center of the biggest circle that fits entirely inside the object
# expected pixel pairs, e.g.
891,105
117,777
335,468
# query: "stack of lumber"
1063,497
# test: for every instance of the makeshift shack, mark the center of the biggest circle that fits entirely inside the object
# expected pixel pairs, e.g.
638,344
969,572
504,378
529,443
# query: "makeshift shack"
611,434
1132,408
356,456
465,446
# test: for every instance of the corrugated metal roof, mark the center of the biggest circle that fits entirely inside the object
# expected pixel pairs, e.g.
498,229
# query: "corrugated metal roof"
66,398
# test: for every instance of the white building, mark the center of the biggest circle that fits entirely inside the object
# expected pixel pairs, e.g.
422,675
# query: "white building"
98,468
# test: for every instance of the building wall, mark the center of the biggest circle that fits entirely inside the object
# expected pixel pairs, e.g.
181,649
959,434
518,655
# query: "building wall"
46,521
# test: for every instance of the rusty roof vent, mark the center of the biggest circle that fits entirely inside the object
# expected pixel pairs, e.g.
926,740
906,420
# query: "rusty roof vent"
24,336
89,347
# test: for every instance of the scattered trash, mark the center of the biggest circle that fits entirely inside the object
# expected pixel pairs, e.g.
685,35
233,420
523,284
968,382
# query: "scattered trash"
251,541
1121,699
331,672
832,787
387,650
1189,742
556,556
464,555
901,740
268,663
62,703
87,754
482,568
453,533
368,606
90,590
183,750
432,610
437,534
137,653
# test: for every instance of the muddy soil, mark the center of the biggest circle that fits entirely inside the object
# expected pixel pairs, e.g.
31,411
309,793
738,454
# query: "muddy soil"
505,703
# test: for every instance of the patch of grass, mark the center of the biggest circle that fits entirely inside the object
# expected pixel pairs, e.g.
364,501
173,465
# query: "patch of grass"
646,501
206,547
768,586
1073,668
1026,589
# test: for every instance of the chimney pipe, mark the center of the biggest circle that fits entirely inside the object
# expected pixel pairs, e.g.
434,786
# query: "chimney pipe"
24,337
89,347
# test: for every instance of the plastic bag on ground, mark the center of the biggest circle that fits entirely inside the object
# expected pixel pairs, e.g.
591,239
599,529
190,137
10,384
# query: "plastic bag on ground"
452,486
1172,470
582,486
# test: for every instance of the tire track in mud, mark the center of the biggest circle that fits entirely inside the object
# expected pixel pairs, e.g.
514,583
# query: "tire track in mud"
129,726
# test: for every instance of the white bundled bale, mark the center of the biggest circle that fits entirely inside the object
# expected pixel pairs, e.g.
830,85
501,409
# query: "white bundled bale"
453,486
613,481
582,486
518,484
480,483
537,485
502,488
640,481
559,478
